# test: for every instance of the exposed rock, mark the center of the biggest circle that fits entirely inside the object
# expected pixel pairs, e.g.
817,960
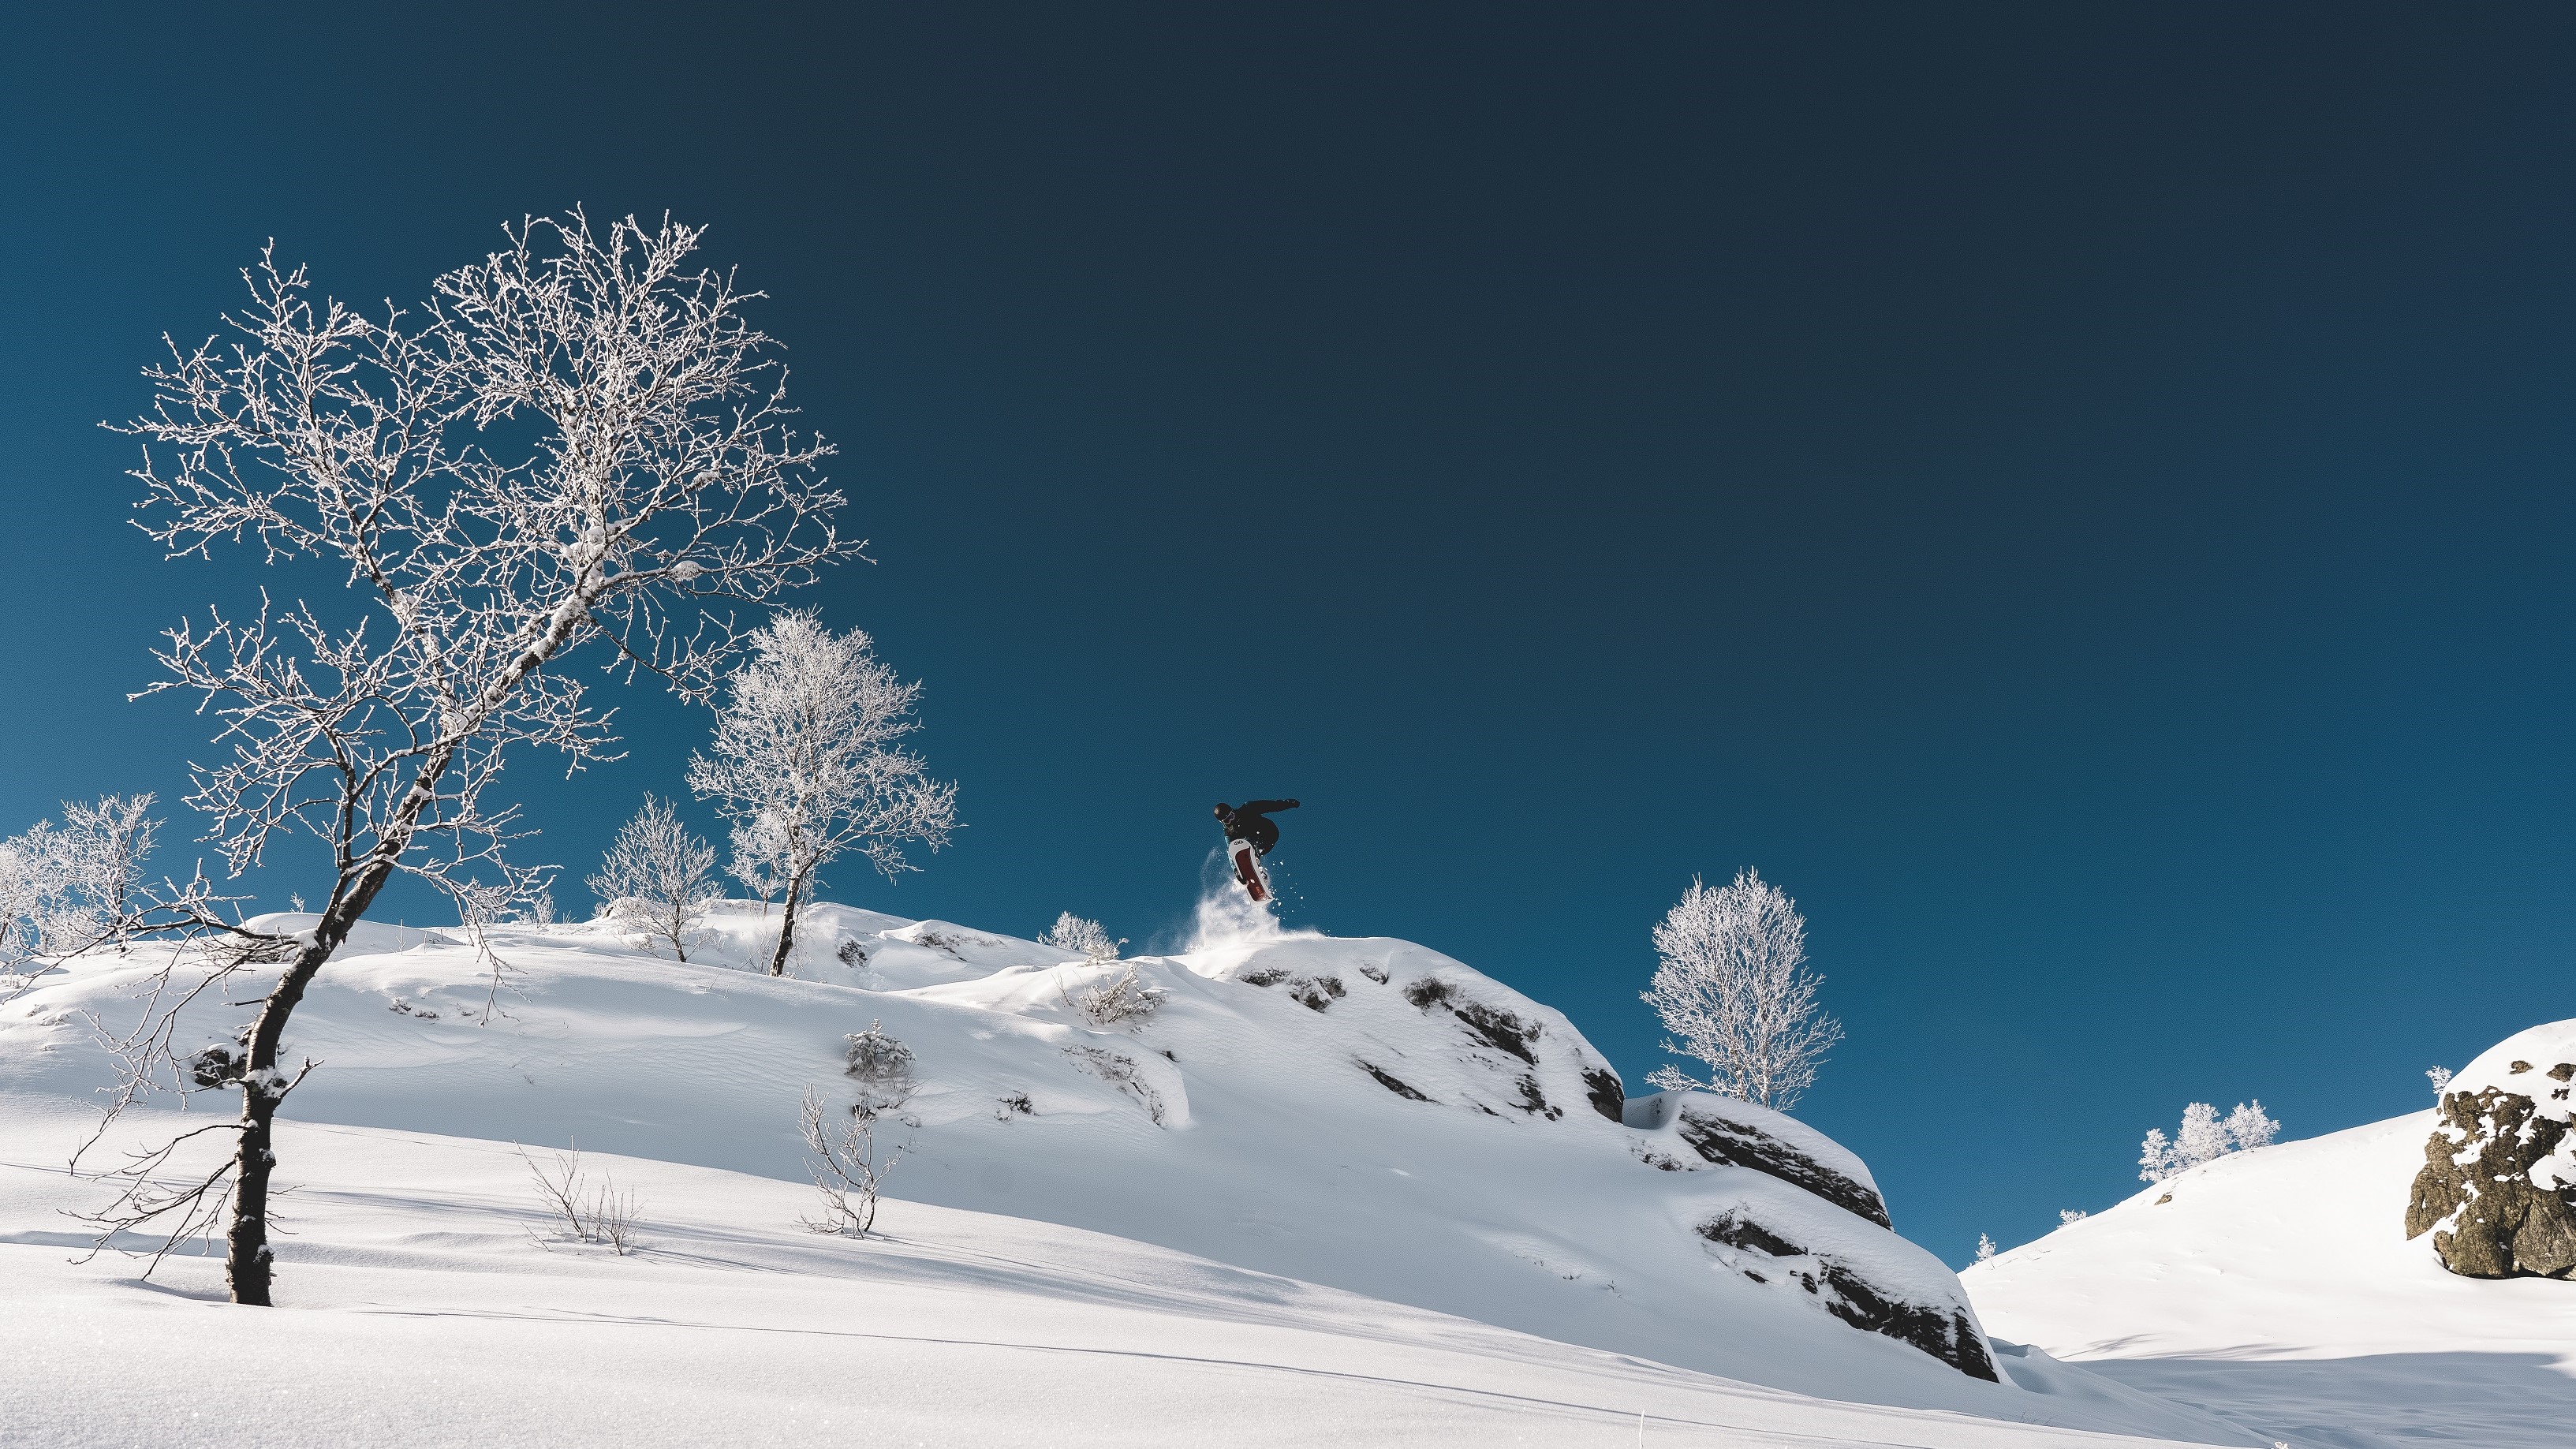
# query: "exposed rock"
1316,992
1499,1029
1742,1143
1604,1090
2476,1193
1943,1330
1392,1085
2498,1186
1534,1101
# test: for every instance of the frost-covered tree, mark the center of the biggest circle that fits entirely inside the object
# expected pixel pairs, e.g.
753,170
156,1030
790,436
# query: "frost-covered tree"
883,1067
578,442
807,763
2070,1216
658,879
2249,1127
2204,1137
1985,1247
78,886
103,847
1083,937
2440,1077
1733,987
31,887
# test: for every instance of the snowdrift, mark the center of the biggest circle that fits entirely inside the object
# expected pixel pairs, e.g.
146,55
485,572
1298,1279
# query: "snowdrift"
2278,1287
1363,1114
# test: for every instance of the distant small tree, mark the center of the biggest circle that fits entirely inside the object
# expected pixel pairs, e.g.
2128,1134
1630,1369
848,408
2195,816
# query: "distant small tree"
1985,1247
2249,1127
79,886
1083,937
883,1067
2070,1216
807,764
658,879
104,846
2204,1137
848,1167
1733,986
2440,1077
31,887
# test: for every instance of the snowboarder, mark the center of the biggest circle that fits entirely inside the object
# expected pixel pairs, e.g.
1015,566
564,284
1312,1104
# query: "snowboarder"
1249,835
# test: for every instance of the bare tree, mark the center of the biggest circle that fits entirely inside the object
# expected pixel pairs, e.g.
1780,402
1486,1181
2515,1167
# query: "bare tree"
847,1166
1734,987
1122,999
579,440
605,1214
658,878
806,763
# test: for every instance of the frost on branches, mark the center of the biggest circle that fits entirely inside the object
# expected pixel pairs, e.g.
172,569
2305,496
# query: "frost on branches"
74,888
2204,1137
1734,988
578,443
657,880
1085,938
807,764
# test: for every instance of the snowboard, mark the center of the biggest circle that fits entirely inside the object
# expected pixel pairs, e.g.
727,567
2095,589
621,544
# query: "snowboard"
1247,869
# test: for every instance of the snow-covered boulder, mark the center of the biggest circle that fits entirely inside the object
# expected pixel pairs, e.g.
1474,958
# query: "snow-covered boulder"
1819,1226
2498,1187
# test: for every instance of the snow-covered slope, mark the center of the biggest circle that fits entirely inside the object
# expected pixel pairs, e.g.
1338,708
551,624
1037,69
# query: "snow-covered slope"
421,1313
1367,1115
2278,1287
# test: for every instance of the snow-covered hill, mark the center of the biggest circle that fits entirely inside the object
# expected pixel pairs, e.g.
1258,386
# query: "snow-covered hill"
1367,1115
2278,1287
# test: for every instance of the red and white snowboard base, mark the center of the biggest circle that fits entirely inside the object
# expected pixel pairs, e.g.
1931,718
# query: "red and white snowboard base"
1247,869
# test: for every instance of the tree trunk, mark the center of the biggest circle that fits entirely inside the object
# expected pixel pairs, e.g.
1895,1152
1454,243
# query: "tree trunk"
247,1258
787,925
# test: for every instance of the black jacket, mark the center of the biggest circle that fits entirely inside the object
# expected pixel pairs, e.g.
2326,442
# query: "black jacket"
1251,821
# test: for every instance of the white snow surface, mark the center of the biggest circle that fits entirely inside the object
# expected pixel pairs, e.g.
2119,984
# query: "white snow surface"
2278,1288
2539,1048
1217,1227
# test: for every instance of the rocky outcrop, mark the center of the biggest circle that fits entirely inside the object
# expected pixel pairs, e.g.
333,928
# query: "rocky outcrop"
1608,1095
1793,1210
1944,1330
2498,1186
1738,1138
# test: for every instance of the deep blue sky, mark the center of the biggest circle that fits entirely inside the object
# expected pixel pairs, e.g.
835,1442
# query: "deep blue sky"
2077,495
